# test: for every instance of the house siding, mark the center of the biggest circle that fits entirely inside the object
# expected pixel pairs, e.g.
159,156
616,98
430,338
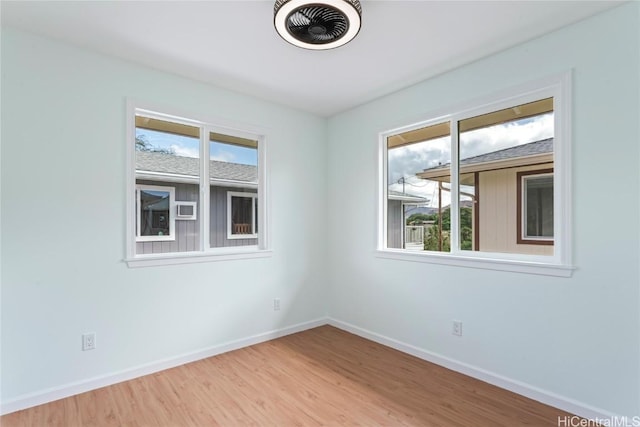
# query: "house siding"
394,224
498,212
187,231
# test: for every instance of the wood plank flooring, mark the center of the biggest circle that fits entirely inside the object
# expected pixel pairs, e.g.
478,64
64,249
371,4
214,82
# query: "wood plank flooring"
322,376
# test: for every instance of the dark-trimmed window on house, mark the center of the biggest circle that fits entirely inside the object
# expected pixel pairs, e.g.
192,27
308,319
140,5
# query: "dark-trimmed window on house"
479,190
535,207
184,172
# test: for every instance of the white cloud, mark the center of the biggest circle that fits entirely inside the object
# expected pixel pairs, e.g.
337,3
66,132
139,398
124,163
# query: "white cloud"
182,151
406,161
223,156
499,137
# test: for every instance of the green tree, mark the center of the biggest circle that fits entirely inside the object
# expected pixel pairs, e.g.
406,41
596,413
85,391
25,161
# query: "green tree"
419,218
143,144
446,219
466,231
432,239
466,236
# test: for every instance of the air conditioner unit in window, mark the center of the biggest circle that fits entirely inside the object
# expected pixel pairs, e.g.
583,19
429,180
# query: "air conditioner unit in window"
187,211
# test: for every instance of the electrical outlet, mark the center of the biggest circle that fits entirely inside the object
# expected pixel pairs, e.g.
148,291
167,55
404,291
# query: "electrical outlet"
457,328
89,341
276,304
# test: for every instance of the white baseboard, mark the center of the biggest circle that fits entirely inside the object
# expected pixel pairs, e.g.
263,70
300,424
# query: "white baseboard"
549,398
55,393
49,395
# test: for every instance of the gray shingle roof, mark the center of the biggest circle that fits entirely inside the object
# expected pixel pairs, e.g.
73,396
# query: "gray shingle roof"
399,195
531,149
172,164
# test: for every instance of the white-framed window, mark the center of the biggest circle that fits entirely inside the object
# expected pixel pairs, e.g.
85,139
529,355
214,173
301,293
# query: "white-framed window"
241,215
155,219
180,172
492,179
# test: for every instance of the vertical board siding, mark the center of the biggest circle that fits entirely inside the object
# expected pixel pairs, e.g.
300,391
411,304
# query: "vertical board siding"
498,212
394,224
488,207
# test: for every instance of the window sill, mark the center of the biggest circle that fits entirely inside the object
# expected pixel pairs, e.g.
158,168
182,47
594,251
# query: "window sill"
194,257
517,266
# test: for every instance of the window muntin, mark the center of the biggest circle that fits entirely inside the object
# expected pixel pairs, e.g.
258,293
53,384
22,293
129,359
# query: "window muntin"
170,152
154,213
536,211
540,259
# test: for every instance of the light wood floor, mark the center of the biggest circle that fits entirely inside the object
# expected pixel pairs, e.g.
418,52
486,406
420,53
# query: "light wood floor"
323,376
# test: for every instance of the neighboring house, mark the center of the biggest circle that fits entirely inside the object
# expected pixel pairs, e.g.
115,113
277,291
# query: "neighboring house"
399,236
167,197
511,197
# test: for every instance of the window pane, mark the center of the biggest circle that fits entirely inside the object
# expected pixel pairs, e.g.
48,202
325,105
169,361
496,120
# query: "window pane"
255,217
539,207
233,168
242,215
154,213
494,149
167,155
418,189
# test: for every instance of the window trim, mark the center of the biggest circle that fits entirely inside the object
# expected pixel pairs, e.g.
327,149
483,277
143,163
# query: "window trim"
261,249
172,216
559,264
253,197
521,178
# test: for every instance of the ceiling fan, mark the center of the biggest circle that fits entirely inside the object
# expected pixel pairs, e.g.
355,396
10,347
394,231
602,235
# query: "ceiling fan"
317,25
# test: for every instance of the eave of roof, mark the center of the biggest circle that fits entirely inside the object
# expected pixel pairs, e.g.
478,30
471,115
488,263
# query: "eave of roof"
404,197
538,152
174,168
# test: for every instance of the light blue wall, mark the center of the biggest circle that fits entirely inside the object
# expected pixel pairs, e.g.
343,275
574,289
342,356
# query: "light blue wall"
577,337
63,223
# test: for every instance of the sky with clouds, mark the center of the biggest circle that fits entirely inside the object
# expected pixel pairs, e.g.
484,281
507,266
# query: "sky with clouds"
405,161
185,146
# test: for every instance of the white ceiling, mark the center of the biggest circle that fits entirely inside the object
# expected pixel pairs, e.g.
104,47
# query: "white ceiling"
233,44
